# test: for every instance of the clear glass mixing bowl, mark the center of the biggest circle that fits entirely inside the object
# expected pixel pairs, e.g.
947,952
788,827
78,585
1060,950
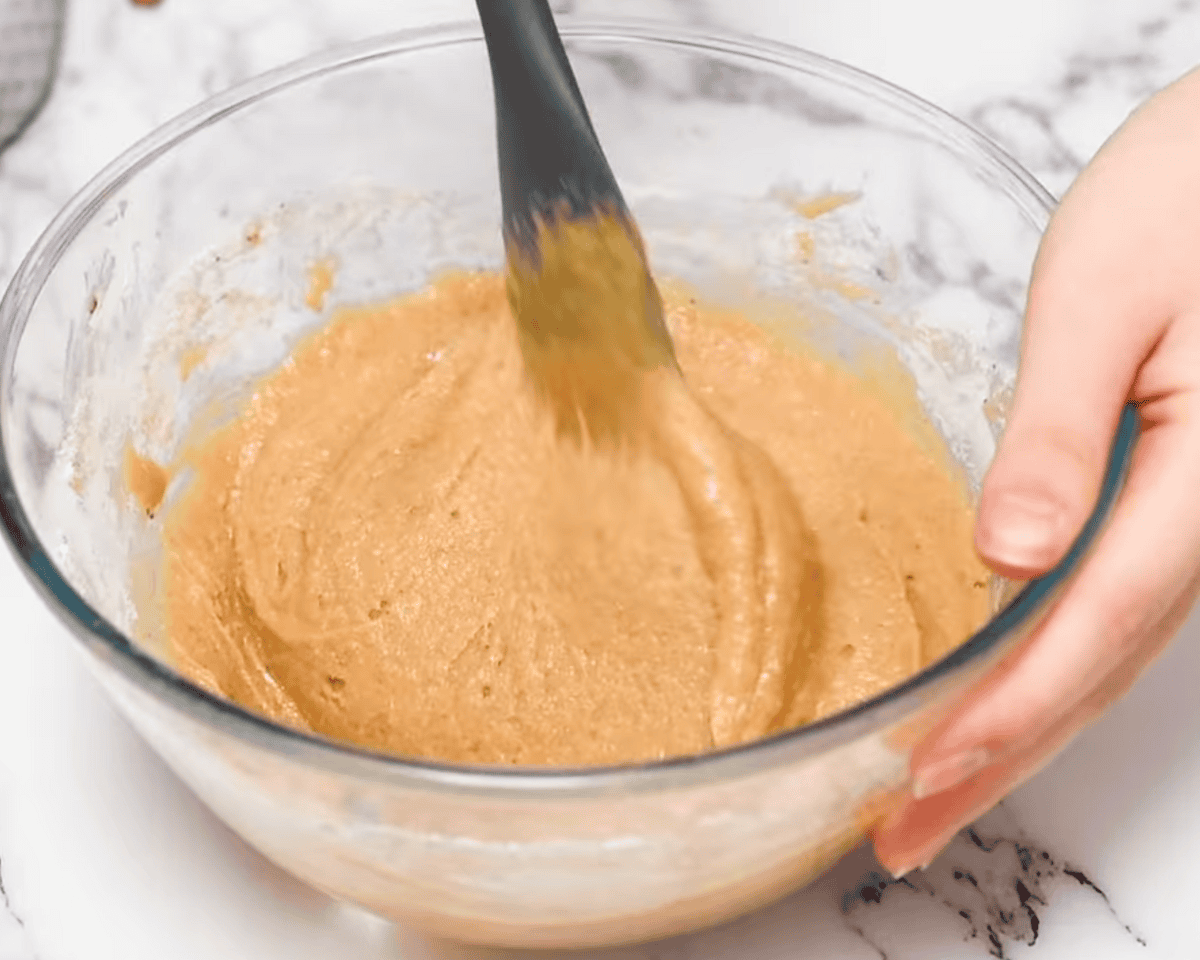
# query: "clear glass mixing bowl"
178,276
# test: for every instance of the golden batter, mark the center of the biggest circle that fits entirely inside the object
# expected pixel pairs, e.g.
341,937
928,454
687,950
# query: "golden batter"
394,545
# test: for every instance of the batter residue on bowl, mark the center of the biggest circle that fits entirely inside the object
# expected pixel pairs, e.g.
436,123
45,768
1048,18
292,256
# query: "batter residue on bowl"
392,546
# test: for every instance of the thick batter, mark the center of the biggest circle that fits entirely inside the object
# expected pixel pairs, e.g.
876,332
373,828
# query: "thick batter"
395,545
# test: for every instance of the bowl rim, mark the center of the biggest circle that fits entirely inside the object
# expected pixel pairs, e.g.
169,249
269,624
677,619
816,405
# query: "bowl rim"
151,675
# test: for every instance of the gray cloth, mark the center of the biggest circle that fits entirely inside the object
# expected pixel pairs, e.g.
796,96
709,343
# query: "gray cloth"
30,37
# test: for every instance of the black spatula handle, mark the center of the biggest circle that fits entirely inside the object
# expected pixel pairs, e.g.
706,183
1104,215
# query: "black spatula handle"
550,157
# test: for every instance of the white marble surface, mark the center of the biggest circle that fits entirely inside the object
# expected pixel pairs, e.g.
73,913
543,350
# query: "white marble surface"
104,854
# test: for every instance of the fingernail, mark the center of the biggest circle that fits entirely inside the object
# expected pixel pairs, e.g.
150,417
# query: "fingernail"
945,774
1023,530
901,874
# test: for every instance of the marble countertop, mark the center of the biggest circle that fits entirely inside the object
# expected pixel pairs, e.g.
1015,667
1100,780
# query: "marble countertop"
104,854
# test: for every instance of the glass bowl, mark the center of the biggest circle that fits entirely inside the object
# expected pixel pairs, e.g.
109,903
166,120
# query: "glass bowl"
177,277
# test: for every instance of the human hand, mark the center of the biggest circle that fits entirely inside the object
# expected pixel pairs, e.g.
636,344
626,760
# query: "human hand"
1113,316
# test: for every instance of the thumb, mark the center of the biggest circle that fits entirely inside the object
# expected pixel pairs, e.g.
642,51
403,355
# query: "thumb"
1085,336
1041,488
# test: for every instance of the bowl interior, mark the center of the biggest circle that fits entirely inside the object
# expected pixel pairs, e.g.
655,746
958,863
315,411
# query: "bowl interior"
845,213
